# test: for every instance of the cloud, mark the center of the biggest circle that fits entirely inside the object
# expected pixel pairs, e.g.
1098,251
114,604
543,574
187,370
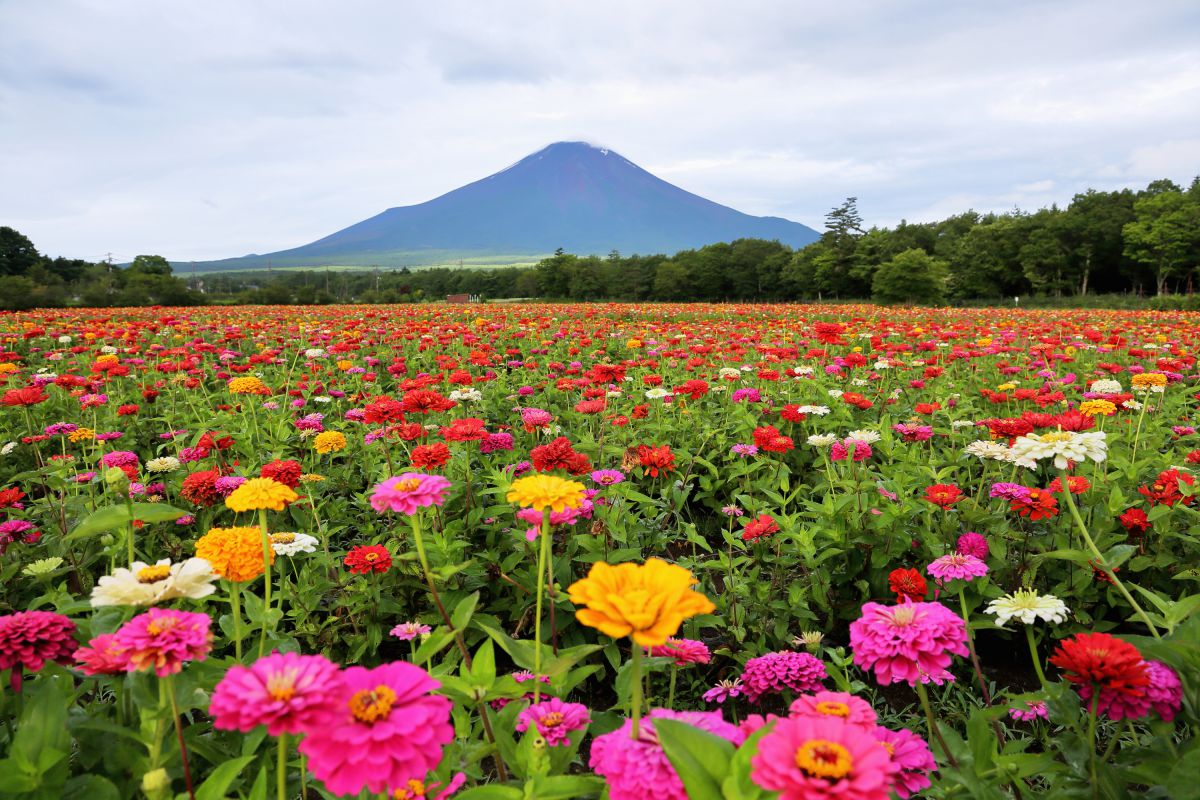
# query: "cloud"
217,129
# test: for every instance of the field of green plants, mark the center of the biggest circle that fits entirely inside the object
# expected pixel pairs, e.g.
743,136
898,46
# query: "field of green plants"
647,552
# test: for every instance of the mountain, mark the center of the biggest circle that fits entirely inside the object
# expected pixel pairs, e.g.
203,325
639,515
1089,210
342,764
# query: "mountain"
584,199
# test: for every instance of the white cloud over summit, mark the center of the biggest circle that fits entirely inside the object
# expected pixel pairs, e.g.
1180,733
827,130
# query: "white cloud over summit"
222,128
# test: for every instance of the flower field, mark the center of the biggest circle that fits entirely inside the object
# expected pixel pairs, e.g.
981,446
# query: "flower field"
499,552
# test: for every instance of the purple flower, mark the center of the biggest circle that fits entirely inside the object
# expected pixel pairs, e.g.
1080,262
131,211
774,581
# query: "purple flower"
724,690
972,544
1010,491
744,450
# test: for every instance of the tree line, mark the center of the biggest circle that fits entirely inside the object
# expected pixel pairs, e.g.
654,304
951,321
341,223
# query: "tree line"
1140,243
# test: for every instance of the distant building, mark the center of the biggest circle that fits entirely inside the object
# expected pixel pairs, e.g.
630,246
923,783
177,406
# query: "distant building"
462,298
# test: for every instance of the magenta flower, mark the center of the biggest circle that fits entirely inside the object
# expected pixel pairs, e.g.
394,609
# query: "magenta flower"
287,692
912,642
957,567
835,704
409,492
163,639
1010,491
723,691
28,639
1165,691
684,651
101,656
1033,710
390,730
805,757
784,671
1163,694
555,720
636,769
911,755
608,477
494,442
972,544
407,631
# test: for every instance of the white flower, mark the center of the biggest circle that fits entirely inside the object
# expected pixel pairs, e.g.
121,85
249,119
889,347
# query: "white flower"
803,371
1027,606
1106,386
164,464
144,585
108,350
984,449
64,339
8,448
835,393
727,373
822,439
322,399
1131,405
1062,446
859,382
314,352
43,566
962,423
816,411
613,393
289,544
656,393
466,395
866,437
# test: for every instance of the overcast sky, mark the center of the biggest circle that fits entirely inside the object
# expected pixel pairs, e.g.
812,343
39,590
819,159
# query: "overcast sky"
213,129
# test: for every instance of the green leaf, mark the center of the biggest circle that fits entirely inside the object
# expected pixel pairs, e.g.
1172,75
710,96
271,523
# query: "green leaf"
564,787
700,758
520,652
463,611
492,792
216,785
483,666
1185,775
111,518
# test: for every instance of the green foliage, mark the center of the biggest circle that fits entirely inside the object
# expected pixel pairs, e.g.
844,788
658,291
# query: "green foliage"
911,277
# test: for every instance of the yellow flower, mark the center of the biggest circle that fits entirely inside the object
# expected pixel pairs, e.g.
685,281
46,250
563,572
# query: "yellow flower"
107,359
1093,408
633,344
311,477
1149,381
7,367
1006,387
82,435
648,601
248,385
259,493
236,554
540,492
329,442
344,365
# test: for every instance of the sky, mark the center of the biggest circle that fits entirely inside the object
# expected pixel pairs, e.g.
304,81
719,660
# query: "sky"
215,129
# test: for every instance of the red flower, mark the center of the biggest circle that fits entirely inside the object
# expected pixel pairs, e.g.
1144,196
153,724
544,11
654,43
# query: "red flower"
1040,505
1165,489
857,400
200,488
943,495
285,472
559,454
927,408
470,429
829,332
383,410
908,584
766,437
26,396
695,389
764,525
368,558
127,410
656,459
11,498
430,456
1098,659
1077,483
1135,521
791,413
426,401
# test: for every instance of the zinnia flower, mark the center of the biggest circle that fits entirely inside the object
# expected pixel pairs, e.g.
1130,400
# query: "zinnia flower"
835,704
368,558
329,442
911,755
648,601
636,769
540,492
908,584
145,585
390,729
28,639
236,554
910,642
972,544
1027,606
407,631
1092,660
763,525
1062,447
409,492
261,493
807,757
783,671
683,651
555,720
957,567
1165,691
102,656
163,639
289,543
287,692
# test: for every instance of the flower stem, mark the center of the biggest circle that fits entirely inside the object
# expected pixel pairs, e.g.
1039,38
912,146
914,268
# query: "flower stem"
934,731
543,546
235,602
1091,734
1100,560
281,768
635,687
266,545
169,682
671,690
1037,661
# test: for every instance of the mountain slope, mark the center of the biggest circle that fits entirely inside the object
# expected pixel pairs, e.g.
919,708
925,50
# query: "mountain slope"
570,195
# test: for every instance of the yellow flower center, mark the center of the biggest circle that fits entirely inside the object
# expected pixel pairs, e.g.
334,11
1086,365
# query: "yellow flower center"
891,748
821,758
283,538
282,685
903,615
552,720
1057,436
153,574
409,485
372,705
161,625
372,557
833,708
414,790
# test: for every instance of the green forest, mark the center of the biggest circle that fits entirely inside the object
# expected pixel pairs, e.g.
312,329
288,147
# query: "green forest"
1118,245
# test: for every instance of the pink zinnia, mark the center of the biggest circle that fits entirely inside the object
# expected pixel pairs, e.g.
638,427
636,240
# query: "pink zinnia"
723,691
1165,691
555,720
408,492
853,709
164,638
684,651
1033,710
815,757
1164,694
287,692
638,768
957,566
28,639
784,671
910,642
407,631
390,730
101,656
911,755
972,544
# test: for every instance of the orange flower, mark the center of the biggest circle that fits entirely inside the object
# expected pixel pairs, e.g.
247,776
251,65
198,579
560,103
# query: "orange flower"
646,601
236,554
